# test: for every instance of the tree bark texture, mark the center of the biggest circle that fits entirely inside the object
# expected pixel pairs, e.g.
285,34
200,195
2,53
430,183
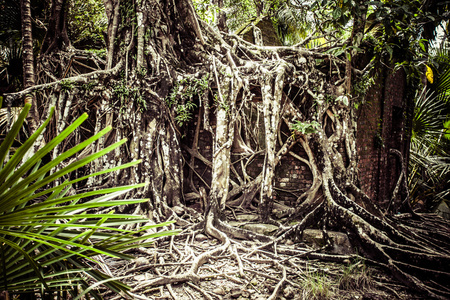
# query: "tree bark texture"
27,44
28,61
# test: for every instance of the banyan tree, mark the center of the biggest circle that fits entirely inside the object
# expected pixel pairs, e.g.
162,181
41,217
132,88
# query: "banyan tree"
216,119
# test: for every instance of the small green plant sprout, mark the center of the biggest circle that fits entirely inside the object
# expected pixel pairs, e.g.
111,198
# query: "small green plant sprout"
304,128
221,104
356,276
142,72
124,93
330,98
89,86
316,285
362,86
184,112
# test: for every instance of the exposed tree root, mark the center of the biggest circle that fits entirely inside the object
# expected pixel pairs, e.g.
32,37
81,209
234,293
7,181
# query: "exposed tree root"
242,265
403,260
280,284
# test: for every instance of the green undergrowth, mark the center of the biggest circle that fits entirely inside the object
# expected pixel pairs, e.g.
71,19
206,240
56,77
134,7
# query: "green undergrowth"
355,277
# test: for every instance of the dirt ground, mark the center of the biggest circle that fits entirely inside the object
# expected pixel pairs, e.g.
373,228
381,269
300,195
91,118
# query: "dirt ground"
244,271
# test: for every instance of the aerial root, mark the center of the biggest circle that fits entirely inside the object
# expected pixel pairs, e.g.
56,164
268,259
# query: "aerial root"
420,267
280,284
413,265
202,291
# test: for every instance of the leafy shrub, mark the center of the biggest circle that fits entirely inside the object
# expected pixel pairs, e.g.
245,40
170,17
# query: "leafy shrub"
305,127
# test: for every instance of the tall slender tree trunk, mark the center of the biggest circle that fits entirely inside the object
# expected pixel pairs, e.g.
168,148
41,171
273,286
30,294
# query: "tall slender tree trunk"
112,12
28,60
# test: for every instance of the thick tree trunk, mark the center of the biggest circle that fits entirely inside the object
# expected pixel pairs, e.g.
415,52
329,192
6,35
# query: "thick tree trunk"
224,135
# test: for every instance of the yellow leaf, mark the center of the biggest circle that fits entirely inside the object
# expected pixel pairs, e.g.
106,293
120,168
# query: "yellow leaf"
429,74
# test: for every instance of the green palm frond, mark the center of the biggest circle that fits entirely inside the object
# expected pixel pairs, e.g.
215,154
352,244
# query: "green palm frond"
429,176
292,24
8,117
440,59
441,55
443,85
46,244
429,166
429,115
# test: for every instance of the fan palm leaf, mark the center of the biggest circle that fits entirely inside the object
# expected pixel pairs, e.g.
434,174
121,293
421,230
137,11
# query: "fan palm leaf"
429,176
429,115
47,235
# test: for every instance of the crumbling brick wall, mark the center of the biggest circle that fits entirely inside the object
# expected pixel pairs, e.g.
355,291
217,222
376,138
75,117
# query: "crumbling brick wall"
381,127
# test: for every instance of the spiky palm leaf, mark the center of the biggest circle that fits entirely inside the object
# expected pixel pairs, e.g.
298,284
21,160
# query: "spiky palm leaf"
46,243
429,115
429,176
443,86
292,23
